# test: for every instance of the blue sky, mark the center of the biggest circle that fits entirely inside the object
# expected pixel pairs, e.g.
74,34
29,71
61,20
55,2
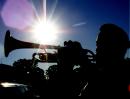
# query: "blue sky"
80,18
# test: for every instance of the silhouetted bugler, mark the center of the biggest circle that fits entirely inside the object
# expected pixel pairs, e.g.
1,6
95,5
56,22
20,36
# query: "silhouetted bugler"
75,68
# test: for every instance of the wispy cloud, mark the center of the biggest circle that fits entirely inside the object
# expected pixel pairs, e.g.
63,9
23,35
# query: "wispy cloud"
79,24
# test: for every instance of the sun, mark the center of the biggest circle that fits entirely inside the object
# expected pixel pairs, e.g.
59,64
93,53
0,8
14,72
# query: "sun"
45,32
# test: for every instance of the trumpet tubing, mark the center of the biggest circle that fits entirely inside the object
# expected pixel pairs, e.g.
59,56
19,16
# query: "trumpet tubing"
11,44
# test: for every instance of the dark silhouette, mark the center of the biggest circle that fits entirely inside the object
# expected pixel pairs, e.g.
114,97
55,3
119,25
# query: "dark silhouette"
9,87
6,73
64,78
112,76
30,75
107,72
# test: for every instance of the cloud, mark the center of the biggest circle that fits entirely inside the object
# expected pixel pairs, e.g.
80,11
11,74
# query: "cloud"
79,24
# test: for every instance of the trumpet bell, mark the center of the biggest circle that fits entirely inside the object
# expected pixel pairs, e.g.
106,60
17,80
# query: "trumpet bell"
11,44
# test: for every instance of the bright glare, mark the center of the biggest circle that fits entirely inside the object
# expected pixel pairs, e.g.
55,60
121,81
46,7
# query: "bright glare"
45,32
6,84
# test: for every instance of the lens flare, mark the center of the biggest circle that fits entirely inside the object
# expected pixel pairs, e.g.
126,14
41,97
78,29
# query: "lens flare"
45,32
24,17
17,14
